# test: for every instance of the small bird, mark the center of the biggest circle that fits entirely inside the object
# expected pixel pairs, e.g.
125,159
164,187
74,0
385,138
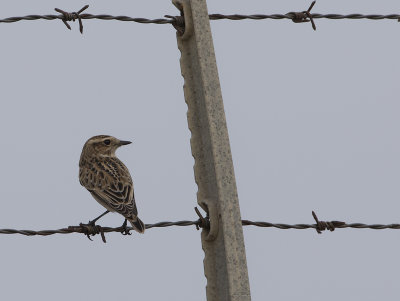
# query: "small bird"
108,179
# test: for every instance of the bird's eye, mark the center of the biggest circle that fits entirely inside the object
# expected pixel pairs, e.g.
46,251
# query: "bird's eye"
107,142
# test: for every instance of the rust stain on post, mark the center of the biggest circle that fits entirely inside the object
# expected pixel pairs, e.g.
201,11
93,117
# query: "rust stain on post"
225,264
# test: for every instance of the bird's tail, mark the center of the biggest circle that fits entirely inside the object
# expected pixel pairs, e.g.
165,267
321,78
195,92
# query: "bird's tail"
137,225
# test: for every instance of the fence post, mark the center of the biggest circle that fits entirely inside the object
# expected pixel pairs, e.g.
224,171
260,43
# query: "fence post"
225,264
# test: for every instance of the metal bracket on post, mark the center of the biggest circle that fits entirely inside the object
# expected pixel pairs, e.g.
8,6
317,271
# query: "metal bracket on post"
225,264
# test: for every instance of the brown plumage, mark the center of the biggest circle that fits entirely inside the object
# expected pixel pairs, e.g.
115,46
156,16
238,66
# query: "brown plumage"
108,179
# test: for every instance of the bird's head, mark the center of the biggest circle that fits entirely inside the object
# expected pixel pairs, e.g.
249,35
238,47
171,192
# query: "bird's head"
103,145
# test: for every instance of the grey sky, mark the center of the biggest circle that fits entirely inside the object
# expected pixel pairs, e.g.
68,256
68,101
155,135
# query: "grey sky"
313,123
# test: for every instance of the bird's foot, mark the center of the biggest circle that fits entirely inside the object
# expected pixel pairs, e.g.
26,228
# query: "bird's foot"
125,230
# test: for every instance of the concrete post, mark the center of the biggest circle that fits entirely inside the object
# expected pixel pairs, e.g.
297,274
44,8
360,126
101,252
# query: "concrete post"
225,264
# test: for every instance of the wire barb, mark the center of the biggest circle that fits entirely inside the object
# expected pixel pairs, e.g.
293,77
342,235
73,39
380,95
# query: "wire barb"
304,16
89,230
202,222
178,22
322,226
66,16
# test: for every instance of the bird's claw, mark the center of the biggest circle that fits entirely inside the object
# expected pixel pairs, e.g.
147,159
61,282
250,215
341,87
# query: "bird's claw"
125,230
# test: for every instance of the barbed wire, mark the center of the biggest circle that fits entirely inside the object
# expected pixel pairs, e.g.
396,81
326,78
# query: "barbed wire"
315,16
204,223
91,230
178,21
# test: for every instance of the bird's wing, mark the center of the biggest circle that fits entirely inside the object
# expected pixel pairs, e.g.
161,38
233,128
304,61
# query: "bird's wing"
116,193
116,201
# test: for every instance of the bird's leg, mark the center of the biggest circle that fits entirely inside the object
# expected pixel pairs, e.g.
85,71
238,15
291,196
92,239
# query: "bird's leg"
125,230
97,218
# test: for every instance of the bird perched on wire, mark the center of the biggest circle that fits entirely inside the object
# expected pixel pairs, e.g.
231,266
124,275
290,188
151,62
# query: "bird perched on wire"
108,179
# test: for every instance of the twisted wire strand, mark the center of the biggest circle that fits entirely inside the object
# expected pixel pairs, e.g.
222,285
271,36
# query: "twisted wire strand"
314,226
87,16
315,16
234,17
80,228
203,222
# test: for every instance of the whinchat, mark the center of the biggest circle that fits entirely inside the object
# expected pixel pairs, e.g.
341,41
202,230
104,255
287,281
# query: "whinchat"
108,179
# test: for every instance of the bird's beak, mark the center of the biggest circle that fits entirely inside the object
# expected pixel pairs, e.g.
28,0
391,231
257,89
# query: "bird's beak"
122,142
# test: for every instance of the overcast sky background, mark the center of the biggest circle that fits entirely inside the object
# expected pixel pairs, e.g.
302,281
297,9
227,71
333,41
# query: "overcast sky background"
313,119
